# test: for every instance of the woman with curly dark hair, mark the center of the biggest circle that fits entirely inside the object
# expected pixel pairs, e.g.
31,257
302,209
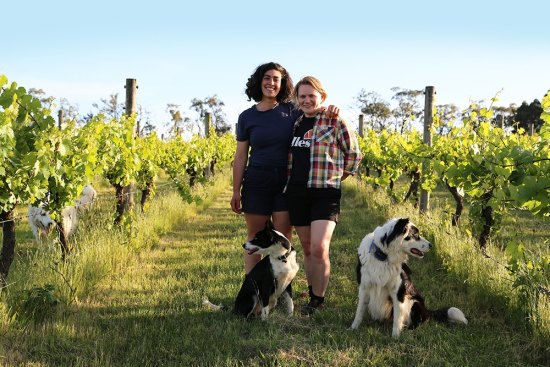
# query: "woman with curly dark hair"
264,132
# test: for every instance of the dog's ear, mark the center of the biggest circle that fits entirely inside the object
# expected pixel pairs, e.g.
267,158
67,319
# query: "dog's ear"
401,225
399,228
269,224
406,221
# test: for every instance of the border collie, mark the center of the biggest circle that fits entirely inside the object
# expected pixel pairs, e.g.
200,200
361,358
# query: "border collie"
385,284
270,278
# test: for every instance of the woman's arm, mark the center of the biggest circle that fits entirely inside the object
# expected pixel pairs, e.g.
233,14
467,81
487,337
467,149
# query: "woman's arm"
347,141
239,165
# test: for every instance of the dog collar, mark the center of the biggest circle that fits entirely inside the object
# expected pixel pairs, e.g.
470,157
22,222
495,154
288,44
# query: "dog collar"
378,254
283,257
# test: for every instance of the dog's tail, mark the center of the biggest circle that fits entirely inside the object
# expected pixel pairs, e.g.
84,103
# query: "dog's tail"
449,314
212,306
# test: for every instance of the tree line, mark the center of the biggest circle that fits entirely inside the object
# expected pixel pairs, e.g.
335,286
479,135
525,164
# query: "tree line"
380,115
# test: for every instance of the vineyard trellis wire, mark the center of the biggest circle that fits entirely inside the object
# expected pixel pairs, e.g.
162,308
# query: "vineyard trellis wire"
100,197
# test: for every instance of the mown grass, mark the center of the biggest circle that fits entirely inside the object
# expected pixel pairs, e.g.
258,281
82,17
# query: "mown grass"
138,298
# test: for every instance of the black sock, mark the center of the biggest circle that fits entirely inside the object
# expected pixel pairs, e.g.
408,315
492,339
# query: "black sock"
319,300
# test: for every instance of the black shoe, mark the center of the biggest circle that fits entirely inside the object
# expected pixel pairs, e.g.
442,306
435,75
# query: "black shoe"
312,306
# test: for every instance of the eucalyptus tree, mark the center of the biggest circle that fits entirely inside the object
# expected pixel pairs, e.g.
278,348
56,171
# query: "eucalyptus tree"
376,110
445,116
408,109
70,111
505,115
144,126
214,106
527,115
179,123
40,94
110,108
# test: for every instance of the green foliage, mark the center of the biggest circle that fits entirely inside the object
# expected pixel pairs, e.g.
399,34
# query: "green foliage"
531,272
492,167
128,226
148,148
118,151
39,161
186,162
39,303
25,152
545,104
528,115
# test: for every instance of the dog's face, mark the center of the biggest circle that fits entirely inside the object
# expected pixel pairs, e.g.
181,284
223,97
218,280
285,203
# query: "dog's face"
41,219
268,241
401,234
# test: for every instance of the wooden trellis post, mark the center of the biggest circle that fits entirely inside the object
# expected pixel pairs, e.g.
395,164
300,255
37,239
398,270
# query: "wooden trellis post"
127,200
60,118
207,123
131,87
428,121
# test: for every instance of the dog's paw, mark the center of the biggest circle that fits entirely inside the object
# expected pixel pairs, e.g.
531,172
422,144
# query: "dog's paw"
356,321
265,313
395,333
290,311
207,303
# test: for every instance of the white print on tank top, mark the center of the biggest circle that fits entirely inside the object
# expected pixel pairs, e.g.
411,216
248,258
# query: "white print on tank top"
304,142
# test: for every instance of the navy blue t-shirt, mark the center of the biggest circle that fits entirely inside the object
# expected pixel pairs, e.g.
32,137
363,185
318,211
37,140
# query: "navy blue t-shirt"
269,134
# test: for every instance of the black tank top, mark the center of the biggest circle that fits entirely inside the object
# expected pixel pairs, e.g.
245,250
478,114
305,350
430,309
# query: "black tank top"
300,148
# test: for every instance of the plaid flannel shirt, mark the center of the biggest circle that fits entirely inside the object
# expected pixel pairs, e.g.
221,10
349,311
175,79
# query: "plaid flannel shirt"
334,151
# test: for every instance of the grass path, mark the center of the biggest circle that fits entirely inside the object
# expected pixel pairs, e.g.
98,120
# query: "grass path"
150,313
158,300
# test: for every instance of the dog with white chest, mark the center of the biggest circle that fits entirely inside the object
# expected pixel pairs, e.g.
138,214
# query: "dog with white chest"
385,284
40,222
270,279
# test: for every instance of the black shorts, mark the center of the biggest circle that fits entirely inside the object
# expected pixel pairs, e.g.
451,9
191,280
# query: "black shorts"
262,190
307,205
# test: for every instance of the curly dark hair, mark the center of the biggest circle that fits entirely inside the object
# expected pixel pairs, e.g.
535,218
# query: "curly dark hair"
254,84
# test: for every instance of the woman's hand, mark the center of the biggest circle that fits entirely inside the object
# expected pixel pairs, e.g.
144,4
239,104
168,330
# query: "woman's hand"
236,203
332,111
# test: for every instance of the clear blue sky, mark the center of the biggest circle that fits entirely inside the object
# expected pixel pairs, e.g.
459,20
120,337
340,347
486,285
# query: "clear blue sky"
180,50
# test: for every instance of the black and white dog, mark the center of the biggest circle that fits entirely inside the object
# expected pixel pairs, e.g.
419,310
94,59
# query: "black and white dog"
385,285
270,278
